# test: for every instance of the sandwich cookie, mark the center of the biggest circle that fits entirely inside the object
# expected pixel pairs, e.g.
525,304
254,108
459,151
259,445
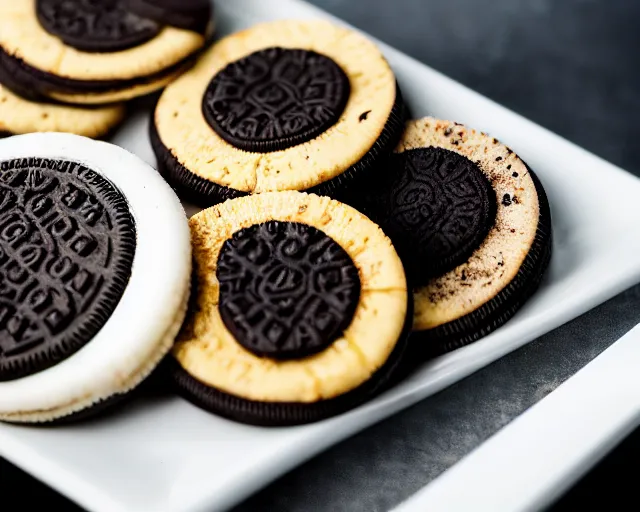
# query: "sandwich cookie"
287,105
300,310
91,295
472,224
88,52
19,116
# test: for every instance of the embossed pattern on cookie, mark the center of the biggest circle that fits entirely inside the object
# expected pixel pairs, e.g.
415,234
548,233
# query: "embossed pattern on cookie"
287,290
276,98
441,208
95,25
67,242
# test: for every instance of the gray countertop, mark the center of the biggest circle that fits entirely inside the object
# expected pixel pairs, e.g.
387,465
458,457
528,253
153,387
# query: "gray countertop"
570,65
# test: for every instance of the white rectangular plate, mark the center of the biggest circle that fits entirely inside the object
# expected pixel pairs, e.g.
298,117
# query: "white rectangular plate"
167,455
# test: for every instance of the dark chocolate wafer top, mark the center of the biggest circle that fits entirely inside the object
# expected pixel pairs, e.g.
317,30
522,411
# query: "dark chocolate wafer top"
96,25
287,290
436,206
186,14
276,98
67,242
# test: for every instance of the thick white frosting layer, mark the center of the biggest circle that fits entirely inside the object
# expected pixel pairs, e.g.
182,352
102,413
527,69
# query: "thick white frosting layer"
149,308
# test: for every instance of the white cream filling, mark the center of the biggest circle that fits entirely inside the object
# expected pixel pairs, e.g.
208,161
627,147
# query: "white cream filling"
153,297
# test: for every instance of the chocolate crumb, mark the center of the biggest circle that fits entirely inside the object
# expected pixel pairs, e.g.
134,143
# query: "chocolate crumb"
455,142
496,141
498,159
515,174
516,200
458,124
464,275
506,200
513,230
364,115
448,132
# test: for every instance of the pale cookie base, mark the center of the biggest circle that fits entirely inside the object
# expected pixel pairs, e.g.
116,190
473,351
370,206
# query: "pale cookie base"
184,130
18,116
208,351
116,96
22,36
497,261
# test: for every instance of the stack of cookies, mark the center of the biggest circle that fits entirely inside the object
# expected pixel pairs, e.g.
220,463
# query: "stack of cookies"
69,65
340,242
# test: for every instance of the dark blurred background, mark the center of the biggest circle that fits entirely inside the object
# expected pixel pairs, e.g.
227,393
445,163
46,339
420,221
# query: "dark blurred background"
572,66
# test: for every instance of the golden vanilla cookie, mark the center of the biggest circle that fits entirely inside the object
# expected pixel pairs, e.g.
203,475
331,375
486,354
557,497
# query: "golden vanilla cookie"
19,116
82,51
300,310
472,224
286,105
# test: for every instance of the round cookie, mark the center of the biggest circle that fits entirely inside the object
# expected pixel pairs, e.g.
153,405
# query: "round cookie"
80,51
20,116
91,298
300,310
472,224
286,105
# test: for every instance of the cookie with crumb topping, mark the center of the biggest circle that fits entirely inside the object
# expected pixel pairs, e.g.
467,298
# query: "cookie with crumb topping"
472,224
